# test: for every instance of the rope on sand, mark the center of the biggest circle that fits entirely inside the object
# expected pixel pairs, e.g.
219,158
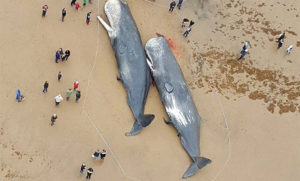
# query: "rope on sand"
228,135
91,121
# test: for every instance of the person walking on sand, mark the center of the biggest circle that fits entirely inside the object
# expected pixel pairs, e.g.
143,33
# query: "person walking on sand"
279,44
103,154
191,23
179,4
187,32
289,49
82,168
58,99
243,53
88,18
59,75
172,5
73,2
75,86
68,94
57,56
84,2
246,46
44,8
53,119
77,6
46,85
63,14
185,20
78,95
89,173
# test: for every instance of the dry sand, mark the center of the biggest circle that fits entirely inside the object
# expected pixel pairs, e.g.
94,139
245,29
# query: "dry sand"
250,109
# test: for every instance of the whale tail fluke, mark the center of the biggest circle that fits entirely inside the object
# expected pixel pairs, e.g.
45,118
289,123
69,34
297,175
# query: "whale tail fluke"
195,166
143,121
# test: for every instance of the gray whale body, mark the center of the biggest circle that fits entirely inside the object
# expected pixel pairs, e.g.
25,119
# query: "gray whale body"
177,100
130,54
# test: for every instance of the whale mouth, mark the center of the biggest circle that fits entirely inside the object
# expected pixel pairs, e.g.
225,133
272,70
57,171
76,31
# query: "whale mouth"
150,64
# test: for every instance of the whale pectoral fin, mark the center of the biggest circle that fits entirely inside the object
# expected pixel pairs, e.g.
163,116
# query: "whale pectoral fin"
143,121
199,163
146,119
136,129
108,28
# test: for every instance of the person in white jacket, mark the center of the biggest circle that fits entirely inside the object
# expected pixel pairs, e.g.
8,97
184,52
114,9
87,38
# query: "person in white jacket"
58,99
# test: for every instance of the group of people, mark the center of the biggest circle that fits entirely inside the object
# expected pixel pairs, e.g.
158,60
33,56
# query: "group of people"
88,173
64,11
61,55
173,4
280,40
96,156
184,23
58,99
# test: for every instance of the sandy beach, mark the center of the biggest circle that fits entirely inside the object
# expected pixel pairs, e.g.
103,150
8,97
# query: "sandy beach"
250,108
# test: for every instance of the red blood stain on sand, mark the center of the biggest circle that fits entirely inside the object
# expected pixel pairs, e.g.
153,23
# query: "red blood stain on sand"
172,45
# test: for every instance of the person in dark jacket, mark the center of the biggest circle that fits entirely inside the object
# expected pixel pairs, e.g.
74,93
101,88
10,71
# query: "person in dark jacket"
46,85
83,166
179,4
63,14
73,2
66,56
89,173
78,95
172,5
53,119
57,56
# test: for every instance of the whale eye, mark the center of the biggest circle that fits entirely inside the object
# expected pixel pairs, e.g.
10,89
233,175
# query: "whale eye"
169,87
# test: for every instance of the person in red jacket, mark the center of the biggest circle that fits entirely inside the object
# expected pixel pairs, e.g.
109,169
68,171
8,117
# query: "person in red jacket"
77,6
76,84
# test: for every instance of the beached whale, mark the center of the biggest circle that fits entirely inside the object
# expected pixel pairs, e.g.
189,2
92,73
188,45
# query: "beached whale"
177,100
130,54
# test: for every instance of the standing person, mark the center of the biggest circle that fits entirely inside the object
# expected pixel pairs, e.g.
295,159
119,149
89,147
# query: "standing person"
281,37
68,94
246,46
75,86
77,6
289,49
185,20
103,154
53,119
172,5
191,23
78,95
179,4
59,75
279,44
84,2
67,54
61,52
96,155
63,14
58,99
88,18
89,173
73,2
83,166
18,97
45,8
46,84
187,32
57,56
